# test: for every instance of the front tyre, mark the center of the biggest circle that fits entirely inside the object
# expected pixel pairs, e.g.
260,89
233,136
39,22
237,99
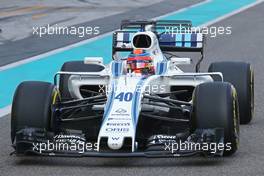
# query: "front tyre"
215,105
32,106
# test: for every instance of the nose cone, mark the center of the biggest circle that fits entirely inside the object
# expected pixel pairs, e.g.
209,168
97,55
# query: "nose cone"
115,143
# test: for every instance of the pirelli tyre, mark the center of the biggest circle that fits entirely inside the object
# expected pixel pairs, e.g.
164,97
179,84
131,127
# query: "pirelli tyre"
31,106
77,66
241,75
215,105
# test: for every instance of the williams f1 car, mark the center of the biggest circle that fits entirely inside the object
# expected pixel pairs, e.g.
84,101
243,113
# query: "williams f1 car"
141,104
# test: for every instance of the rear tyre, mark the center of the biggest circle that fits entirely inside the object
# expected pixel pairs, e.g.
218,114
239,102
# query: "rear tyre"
241,75
215,105
32,106
75,66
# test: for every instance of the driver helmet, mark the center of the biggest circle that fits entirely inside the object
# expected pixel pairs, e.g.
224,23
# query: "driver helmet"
140,62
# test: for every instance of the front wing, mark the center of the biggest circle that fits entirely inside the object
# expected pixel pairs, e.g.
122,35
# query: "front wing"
38,142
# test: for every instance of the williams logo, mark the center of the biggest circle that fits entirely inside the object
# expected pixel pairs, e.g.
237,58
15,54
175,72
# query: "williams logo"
120,111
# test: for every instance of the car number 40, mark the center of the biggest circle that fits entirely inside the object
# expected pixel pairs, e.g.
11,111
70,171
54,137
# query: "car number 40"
124,96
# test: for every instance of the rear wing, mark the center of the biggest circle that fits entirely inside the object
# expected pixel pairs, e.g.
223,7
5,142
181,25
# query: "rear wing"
173,36
178,42
156,25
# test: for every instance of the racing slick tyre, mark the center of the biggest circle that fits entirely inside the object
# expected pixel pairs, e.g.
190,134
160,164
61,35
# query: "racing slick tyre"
215,105
241,75
75,66
32,106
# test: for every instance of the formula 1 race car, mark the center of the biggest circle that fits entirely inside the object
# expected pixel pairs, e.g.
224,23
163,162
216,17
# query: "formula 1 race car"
139,105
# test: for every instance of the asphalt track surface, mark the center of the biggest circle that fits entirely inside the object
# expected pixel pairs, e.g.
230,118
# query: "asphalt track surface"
245,44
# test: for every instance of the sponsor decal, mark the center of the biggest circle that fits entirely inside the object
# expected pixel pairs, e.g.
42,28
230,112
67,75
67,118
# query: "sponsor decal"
118,124
109,119
160,139
160,136
116,129
121,111
69,138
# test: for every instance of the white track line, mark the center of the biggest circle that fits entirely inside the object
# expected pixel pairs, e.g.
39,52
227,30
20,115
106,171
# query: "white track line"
6,110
